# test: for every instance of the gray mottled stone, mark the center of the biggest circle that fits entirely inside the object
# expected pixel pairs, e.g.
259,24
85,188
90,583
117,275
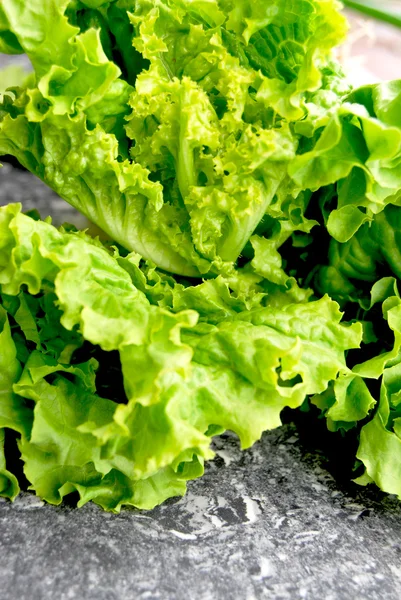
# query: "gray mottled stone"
270,522
17,185
19,60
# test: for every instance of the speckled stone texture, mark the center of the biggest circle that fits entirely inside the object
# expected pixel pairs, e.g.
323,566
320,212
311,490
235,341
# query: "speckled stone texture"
17,185
270,522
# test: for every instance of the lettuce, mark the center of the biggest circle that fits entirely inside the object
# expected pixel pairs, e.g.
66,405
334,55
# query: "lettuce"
367,400
11,414
168,123
182,373
252,201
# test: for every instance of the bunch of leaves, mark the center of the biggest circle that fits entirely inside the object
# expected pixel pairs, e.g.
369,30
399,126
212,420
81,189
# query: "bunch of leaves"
115,386
213,138
362,215
169,123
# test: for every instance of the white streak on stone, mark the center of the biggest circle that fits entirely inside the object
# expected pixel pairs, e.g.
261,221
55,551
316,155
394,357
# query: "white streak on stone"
305,535
28,501
279,522
253,511
226,456
266,569
216,521
222,502
182,535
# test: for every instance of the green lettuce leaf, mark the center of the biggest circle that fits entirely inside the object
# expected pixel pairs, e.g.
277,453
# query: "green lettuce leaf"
373,251
207,138
359,148
380,439
368,398
207,91
9,487
186,371
12,414
60,458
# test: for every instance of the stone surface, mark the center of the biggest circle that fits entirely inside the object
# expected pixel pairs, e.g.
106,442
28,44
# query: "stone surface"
270,522
17,185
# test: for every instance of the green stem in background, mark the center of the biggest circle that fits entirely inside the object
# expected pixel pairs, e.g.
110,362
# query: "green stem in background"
376,10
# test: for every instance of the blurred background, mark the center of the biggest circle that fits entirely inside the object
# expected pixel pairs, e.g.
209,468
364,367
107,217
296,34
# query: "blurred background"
372,52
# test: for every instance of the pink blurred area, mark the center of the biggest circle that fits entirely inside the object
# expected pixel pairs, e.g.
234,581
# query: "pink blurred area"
372,52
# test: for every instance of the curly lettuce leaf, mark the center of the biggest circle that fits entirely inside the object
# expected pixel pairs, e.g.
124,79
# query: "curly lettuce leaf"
12,414
60,458
9,487
368,398
184,376
372,252
349,400
208,89
359,148
380,438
